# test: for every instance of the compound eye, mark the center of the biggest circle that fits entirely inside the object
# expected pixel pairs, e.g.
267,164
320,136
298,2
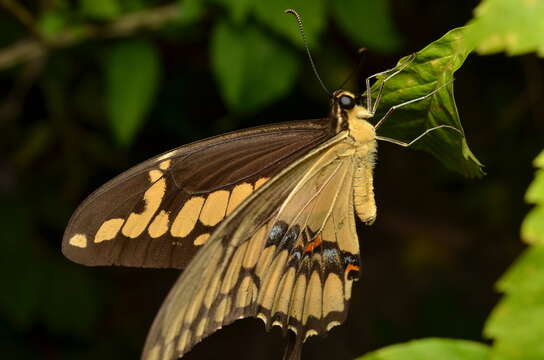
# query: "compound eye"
346,102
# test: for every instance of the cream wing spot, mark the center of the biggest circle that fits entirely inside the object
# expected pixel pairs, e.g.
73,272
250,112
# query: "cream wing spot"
246,292
347,287
266,257
186,219
297,301
183,340
309,333
233,270
221,309
254,248
201,239
213,289
239,194
313,303
332,295
78,240
136,223
108,230
332,324
159,225
194,306
281,304
165,165
270,284
214,208
260,182
154,175
201,327
168,352
154,353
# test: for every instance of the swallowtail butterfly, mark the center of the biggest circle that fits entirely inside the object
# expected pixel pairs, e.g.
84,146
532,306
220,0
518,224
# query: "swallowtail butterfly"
262,220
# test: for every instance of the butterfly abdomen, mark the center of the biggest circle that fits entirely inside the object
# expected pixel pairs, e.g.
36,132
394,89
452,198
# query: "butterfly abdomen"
363,186
364,140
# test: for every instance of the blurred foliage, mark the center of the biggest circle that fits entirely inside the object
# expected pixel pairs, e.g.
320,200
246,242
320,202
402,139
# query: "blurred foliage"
91,87
369,23
501,25
132,73
239,57
431,349
431,70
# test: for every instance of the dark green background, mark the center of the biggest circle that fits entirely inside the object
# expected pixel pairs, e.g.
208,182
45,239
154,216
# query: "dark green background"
429,262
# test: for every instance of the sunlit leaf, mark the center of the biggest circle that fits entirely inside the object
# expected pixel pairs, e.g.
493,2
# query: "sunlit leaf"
368,23
252,69
100,9
532,228
313,13
515,27
516,322
132,71
431,349
432,69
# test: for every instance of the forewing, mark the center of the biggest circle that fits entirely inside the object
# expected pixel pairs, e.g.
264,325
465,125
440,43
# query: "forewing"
160,212
287,255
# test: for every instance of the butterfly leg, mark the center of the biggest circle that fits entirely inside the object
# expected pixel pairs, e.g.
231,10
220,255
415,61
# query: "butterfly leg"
408,144
395,107
397,69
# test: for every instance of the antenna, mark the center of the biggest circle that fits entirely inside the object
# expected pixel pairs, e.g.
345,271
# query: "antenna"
303,35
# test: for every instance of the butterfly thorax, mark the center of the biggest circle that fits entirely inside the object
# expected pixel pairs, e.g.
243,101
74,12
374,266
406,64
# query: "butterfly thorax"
353,118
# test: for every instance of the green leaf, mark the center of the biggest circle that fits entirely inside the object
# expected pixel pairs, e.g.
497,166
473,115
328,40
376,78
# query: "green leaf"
532,228
252,69
239,9
100,9
313,13
539,161
190,10
431,349
52,23
507,25
132,72
535,192
369,23
516,323
432,69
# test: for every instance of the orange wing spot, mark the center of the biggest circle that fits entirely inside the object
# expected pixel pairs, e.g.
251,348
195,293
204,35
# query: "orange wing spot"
352,267
313,244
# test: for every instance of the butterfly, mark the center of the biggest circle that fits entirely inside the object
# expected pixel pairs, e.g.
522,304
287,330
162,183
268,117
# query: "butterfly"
261,220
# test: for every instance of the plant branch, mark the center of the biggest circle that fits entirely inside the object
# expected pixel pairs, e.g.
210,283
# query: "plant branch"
20,12
31,48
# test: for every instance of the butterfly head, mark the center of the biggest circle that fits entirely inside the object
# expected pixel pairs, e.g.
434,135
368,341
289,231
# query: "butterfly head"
349,113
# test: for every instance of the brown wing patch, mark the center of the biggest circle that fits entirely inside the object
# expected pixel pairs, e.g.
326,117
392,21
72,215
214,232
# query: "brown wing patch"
152,214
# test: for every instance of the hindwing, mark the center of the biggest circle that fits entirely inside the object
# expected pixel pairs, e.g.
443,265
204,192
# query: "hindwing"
160,212
287,255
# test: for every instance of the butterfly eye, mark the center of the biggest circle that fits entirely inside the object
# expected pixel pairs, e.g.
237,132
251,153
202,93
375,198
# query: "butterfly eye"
346,102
